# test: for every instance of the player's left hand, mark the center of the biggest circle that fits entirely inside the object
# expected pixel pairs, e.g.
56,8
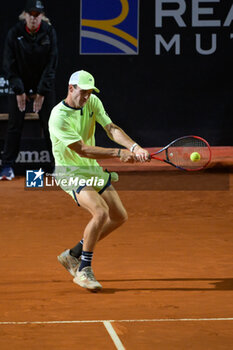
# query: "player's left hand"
141,154
38,102
127,156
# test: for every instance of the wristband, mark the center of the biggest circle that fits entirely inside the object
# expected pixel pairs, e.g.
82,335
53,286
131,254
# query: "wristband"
119,153
132,148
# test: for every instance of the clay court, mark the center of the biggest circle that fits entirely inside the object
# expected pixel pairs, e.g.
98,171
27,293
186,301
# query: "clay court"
166,274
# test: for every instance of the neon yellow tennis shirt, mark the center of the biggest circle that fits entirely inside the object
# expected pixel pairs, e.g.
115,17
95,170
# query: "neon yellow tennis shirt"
68,125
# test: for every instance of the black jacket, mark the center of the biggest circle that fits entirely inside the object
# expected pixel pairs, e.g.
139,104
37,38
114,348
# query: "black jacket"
30,61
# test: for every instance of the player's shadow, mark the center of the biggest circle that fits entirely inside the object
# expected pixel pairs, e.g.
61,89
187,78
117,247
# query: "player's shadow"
215,284
146,284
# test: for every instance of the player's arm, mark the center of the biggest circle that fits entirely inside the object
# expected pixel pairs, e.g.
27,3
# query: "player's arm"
118,135
95,152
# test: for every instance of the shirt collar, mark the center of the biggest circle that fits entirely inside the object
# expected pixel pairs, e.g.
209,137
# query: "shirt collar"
76,109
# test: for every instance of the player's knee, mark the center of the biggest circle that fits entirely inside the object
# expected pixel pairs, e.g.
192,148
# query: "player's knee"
122,216
125,216
101,214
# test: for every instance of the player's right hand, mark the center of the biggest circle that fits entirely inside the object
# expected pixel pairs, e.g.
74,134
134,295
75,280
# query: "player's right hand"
141,154
21,102
127,156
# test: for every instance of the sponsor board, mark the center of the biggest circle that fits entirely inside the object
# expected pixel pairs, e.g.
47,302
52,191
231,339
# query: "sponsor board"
201,20
109,27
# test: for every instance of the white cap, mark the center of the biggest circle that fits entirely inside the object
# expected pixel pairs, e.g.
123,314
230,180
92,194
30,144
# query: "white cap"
84,80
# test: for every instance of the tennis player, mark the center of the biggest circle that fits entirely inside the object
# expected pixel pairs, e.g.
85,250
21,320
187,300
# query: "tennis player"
72,127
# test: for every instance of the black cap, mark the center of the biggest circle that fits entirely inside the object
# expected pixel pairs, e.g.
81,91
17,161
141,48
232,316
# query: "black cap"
34,5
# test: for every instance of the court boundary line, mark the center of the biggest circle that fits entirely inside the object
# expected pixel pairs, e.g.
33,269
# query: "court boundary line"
111,331
112,321
108,324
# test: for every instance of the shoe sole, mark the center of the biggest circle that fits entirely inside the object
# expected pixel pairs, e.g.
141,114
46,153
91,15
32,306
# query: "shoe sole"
94,289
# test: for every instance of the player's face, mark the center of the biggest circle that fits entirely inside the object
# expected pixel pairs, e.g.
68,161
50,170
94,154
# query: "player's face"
80,97
33,19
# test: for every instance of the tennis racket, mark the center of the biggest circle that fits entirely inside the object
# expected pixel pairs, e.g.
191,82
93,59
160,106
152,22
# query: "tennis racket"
185,153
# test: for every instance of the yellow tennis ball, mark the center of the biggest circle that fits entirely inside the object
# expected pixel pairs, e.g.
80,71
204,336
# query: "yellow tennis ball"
195,157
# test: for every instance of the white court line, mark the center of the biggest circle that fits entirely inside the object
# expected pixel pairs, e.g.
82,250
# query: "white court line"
102,321
113,335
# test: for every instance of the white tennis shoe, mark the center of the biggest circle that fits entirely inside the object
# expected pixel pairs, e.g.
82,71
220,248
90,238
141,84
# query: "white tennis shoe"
70,263
86,279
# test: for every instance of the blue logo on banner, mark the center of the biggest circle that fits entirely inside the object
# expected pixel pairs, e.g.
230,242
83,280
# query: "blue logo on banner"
109,27
35,178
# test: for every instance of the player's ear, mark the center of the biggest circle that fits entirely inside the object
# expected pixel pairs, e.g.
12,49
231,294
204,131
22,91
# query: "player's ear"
70,88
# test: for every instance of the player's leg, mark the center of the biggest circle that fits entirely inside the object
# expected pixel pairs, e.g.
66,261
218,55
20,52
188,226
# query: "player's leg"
117,213
117,216
90,200
108,213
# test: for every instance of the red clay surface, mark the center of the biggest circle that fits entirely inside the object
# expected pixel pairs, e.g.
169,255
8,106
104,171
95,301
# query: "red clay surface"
171,260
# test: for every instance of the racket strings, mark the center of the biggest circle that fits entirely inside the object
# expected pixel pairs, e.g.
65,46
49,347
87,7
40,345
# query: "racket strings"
180,151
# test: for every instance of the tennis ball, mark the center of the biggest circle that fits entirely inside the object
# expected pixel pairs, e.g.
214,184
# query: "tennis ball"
195,157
